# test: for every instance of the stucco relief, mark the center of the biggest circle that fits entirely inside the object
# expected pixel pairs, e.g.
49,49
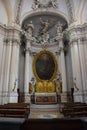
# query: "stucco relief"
46,29
44,4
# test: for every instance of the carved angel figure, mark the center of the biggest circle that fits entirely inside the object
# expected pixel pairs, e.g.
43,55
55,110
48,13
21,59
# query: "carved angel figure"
44,25
53,3
59,27
36,4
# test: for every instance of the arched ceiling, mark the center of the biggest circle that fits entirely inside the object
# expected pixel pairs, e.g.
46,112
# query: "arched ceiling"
17,9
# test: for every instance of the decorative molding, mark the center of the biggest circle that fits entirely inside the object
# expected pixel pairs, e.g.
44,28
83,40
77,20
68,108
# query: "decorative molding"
70,7
3,29
58,52
80,11
59,37
60,49
78,32
31,52
18,11
44,4
75,41
10,41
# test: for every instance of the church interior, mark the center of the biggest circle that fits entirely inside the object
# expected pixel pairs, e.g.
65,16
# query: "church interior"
43,64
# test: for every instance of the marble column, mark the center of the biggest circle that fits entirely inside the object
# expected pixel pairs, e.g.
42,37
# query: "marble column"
29,38
7,69
26,83
81,50
85,69
63,71
73,60
2,73
77,74
58,59
13,78
28,71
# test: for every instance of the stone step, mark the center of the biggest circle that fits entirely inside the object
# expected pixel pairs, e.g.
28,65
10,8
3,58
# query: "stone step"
44,108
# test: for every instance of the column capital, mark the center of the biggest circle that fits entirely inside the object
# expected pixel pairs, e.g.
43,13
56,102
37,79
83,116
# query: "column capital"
28,50
11,41
59,37
7,41
16,41
74,40
57,52
60,49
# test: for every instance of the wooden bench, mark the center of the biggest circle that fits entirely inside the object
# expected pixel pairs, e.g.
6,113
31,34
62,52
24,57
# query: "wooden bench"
14,113
78,114
14,110
75,110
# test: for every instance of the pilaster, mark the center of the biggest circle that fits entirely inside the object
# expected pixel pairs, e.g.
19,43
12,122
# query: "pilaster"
64,97
26,84
29,36
78,63
8,43
2,74
13,76
14,35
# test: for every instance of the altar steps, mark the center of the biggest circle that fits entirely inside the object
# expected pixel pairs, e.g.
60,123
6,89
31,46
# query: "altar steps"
44,108
45,111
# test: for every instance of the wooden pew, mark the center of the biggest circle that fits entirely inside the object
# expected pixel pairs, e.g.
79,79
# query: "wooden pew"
75,110
15,110
78,114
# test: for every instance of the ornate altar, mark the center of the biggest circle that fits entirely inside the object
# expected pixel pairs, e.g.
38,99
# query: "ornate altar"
45,71
45,92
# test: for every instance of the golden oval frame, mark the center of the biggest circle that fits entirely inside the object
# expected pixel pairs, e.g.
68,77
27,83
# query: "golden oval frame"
55,62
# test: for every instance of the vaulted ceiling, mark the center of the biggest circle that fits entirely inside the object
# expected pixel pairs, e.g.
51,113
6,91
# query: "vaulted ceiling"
16,11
